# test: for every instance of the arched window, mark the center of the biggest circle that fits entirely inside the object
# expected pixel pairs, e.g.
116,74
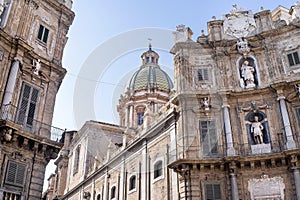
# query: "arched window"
158,169
113,192
98,197
132,182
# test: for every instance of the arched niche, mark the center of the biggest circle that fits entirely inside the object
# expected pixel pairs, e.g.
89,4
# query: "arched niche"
262,118
248,72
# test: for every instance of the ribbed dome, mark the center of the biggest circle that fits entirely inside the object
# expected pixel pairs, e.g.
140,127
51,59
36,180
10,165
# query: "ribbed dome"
150,77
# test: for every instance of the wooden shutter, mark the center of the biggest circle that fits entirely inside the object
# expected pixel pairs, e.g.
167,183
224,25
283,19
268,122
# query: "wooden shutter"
213,192
27,105
15,174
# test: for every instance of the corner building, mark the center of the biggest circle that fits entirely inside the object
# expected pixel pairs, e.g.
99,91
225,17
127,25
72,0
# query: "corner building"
228,130
33,35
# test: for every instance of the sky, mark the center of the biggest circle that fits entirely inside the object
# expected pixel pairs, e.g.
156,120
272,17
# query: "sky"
106,40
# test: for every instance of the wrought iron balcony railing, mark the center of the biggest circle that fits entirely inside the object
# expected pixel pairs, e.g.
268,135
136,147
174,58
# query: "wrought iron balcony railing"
15,115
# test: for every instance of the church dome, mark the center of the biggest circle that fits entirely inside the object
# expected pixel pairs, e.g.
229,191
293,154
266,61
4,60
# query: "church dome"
150,76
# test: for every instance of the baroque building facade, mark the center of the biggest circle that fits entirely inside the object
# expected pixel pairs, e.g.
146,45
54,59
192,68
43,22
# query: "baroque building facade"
33,36
229,129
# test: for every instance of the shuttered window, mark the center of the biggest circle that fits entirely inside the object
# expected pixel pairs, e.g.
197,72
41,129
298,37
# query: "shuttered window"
203,74
213,192
293,58
27,105
15,174
43,34
209,139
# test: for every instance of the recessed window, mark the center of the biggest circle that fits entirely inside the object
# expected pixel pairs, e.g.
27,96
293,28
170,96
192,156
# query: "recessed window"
113,192
293,58
140,120
98,197
213,191
203,74
15,174
43,34
27,106
76,160
209,139
132,182
158,169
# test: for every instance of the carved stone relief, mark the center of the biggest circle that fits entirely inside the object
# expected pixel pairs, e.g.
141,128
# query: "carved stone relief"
266,188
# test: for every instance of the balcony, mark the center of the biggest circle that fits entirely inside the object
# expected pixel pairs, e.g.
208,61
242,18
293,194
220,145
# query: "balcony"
195,153
9,195
10,114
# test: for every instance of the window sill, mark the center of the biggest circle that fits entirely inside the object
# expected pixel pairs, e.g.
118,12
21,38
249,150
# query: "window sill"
132,191
158,179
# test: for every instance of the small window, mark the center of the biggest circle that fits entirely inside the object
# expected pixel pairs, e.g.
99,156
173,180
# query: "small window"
76,160
132,182
140,118
43,34
293,58
15,174
213,192
113,192
158,169
98,197
203,74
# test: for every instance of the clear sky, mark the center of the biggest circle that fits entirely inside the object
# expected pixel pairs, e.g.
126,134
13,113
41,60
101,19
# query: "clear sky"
107,39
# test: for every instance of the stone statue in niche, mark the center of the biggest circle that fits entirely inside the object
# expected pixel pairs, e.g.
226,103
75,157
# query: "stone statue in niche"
256,130
247,73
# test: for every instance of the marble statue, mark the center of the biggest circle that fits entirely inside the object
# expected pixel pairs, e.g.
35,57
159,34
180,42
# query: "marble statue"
36,66
256,130
248,74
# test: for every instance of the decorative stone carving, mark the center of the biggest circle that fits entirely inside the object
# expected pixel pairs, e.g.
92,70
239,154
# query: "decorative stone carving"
36,66
205,103
242,46
247,73
266,188
182,33
2,7
297,87
297,10
239,23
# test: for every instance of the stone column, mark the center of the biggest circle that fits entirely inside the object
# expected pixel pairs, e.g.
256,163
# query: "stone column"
173,156
130,116
105,191
10,86
122,180
230,148
297,181
234,187
290,143
144,172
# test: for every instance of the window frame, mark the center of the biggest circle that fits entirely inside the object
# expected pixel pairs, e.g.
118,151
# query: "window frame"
211,134
158,173
205,75
16,173
213,191
43,34
292,58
